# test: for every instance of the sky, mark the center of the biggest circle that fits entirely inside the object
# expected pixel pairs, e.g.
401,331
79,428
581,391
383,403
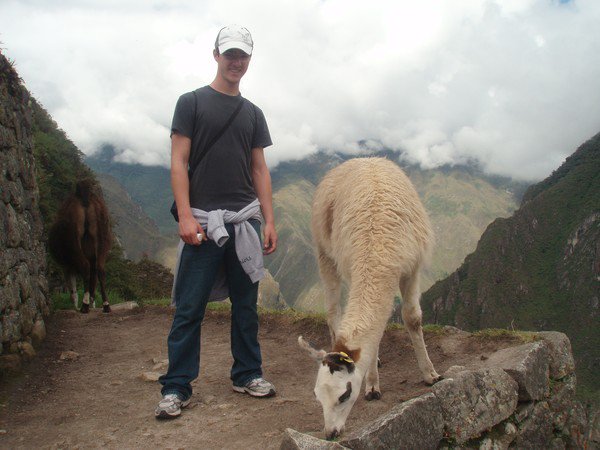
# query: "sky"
511,84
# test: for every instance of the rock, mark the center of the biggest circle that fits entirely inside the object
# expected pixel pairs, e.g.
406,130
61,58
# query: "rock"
576,429
27,350
414,424
125,306
595,427
150,376
472,402
10,363
38,333
160,361
454,370
294,440
209,399
528,365
161,366
449,329
269,295
561,398
523,411
536,430
69,356
561,356
557,444
283,400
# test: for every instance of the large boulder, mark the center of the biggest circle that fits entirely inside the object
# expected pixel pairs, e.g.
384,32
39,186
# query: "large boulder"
528,365
415,424
561,362
294,440
473,402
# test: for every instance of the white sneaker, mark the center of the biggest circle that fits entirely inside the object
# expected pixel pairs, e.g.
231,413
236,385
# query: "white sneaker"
258,387
170,407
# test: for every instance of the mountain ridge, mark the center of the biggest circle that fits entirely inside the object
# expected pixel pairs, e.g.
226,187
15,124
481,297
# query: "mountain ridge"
462,199
539,268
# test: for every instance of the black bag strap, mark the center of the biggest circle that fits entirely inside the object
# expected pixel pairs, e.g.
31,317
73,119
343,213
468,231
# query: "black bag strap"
217,136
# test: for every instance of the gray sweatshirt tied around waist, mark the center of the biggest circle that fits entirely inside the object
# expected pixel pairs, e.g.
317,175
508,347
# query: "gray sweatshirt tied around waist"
247,244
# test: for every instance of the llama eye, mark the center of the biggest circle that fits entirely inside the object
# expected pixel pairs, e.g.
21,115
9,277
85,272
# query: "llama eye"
346,395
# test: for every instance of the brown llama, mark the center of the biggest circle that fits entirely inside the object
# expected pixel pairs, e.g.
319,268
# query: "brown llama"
79,241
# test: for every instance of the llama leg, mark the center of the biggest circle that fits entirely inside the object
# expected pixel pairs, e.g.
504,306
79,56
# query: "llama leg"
102,279
411,316
85,273
372,391
93,281
332,282
73,289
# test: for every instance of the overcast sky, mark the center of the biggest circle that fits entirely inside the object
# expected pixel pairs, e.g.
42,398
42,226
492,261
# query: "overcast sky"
514,84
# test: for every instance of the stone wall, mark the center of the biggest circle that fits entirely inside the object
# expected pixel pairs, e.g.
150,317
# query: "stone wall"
23,286
521,397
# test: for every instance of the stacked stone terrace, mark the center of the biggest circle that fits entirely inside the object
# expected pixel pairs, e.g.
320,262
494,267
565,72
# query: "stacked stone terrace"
520,397
23,285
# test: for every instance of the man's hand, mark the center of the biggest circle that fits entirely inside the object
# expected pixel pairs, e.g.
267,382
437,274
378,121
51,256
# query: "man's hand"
190,231
270,239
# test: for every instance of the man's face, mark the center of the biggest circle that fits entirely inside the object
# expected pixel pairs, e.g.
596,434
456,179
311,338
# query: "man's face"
232,64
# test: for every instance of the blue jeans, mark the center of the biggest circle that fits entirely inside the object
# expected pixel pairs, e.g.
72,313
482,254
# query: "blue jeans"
197,272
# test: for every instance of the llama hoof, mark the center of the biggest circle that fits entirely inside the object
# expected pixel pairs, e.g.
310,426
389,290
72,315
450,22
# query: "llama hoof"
85,308
379,364
373,395
431,381
105,308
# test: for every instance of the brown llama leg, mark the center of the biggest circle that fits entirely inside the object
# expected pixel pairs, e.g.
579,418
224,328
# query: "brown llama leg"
72,280
93,281
102,279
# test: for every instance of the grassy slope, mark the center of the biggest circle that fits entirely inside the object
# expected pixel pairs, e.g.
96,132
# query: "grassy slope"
538,269
133,227
461,204
461,201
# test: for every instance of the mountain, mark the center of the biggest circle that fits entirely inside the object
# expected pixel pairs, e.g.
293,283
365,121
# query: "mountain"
461,201
148,186
139,233
540,268
58,166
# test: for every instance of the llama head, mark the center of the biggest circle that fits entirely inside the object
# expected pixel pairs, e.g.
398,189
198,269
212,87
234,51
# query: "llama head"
337,387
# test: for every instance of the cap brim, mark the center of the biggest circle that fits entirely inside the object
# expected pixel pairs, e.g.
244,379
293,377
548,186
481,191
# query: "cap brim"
235,44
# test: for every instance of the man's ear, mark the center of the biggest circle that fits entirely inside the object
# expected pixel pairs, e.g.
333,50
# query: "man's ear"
315,354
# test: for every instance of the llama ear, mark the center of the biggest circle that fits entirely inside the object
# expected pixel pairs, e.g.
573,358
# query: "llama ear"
338,360
315,354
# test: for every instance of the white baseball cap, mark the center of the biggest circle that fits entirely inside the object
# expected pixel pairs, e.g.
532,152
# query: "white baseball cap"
234,36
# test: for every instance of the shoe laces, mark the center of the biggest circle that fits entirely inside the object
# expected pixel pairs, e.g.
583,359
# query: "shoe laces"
171,398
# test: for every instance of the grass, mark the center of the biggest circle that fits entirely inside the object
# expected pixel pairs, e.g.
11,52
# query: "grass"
63,300
499,333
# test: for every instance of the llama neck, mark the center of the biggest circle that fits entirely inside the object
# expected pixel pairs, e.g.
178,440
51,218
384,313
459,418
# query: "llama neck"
369,307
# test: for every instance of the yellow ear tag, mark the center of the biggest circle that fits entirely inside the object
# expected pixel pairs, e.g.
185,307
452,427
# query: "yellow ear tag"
346,358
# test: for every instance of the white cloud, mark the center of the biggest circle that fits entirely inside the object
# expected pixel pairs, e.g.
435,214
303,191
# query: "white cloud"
513,84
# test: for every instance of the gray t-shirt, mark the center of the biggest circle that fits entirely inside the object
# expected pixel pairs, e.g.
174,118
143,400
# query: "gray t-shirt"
223,179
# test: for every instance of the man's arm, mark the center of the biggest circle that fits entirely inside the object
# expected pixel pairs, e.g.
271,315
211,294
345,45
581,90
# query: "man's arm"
180,183
261,179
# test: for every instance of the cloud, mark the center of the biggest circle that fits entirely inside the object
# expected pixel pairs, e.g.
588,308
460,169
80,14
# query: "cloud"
512,84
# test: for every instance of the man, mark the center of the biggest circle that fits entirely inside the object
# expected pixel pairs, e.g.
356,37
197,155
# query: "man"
221,137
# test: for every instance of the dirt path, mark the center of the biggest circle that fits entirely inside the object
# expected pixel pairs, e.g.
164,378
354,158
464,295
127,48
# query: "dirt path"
99,400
